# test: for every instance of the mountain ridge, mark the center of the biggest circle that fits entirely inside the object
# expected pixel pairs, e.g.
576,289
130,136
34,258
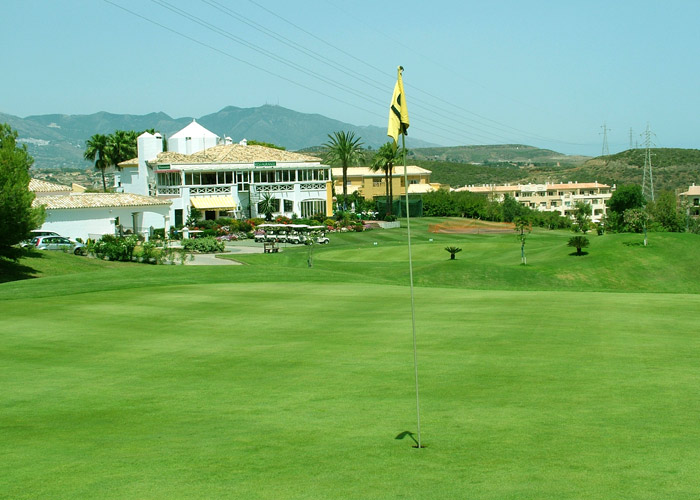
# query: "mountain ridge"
58,140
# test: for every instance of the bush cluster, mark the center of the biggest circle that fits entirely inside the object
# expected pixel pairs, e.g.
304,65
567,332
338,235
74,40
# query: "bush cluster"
114,248
444,203
207,244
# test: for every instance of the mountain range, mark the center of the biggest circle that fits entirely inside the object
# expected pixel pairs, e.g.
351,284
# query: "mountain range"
58,141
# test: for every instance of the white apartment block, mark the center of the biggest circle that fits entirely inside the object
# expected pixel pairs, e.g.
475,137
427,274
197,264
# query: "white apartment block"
547,197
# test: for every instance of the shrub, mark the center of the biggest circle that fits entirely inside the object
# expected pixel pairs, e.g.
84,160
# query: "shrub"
453,251
578,242
203,245
114,248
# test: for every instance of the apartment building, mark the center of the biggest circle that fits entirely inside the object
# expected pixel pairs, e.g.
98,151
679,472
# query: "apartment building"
561,197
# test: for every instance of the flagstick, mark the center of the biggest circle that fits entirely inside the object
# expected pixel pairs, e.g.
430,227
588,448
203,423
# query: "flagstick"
410,273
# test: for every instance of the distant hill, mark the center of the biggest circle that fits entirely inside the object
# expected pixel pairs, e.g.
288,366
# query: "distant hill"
673,169
501,153
58,141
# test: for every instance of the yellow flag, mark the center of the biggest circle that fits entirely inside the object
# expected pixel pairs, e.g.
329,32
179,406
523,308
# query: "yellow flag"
398,113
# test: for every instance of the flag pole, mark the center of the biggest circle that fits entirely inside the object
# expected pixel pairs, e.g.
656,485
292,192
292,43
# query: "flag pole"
410,273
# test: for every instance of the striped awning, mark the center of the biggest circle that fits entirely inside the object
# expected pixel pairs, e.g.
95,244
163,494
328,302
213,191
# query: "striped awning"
213,202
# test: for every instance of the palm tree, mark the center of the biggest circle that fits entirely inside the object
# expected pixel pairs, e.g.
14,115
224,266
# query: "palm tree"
344,149
453,251
267,206
121,146
384,160
96,149
578,242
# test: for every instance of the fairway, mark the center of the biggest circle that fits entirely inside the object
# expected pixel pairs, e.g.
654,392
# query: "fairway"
297,390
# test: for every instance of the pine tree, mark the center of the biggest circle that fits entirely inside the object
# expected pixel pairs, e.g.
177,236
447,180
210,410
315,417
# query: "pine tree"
17,217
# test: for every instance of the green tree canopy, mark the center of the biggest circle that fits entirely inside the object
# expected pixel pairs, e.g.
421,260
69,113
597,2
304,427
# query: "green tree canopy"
626,197
265,144
582,216
665,212
121,146
17,217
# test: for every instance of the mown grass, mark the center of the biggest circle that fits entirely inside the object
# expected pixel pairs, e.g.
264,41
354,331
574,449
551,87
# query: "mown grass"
275,380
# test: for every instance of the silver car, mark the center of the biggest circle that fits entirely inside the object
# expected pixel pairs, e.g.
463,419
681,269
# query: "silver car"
58,243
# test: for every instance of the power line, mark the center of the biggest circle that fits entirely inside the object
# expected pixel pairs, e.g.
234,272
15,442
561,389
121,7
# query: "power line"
443,115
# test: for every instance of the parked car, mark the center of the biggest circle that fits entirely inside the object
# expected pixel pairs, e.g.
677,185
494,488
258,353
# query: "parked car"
58,243
36,233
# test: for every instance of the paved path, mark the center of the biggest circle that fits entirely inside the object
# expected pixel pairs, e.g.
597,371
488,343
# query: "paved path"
210,259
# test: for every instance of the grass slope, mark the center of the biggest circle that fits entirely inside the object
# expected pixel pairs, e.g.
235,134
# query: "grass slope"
275,380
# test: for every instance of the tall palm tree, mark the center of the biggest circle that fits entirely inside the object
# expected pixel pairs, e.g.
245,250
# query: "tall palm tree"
121,146
384,160
96,149
344,149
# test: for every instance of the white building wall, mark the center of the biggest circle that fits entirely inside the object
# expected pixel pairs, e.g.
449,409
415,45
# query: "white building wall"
191,145
90,222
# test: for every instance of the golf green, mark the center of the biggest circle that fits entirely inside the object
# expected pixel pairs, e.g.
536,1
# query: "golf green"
298,390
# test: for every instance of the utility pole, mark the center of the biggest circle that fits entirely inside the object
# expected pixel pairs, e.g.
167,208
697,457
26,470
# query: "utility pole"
631,144
606,151
648,190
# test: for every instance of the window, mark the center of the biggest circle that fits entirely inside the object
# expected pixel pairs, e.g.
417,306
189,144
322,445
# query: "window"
265,176
554,204
285,175
288,205
224,177
312,175
208,178
168,179
310,208
377,182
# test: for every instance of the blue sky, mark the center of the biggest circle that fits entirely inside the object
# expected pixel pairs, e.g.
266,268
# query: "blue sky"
548,74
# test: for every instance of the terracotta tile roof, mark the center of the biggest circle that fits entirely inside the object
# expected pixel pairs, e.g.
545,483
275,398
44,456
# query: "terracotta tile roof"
530,187
488,189
39,186
134,162
233,153
692,191
97,200
170,157
367,172
575,185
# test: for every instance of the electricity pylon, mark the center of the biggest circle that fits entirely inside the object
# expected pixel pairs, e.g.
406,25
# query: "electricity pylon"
606,151
648,191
